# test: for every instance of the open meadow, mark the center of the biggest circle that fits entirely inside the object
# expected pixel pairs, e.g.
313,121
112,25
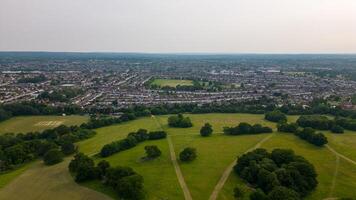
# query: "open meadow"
336,176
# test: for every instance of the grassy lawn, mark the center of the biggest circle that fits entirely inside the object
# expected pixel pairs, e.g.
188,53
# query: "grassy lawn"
324,162
6,178
171,82
345,143
42,182
215,153
38,123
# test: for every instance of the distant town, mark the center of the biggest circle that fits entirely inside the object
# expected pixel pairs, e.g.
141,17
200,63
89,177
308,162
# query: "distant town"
123,80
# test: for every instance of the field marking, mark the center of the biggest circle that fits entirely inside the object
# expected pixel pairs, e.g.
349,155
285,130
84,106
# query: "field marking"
49,123
339,154
229,169
179,174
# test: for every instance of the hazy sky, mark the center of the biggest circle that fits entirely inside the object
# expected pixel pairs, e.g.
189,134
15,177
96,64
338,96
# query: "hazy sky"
234,26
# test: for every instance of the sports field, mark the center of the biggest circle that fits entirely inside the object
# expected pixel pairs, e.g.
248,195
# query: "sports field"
38,123
171,82
337,176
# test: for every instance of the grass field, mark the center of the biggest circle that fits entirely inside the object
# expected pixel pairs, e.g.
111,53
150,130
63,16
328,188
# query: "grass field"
215,153
171,82
38,123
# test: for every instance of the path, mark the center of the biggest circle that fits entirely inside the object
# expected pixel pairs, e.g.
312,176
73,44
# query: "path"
333,184
228,170
340,155
41,182
183,185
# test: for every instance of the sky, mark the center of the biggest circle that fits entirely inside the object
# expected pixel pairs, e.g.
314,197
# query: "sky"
179,26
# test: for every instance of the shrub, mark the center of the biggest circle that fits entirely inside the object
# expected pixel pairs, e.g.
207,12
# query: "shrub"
52,157
206,130
238,193
188,154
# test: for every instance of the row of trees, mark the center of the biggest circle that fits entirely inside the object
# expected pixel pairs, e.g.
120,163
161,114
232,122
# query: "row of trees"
277,175
336,125
179,121
51,144
30,108
312,137
245,128
123,180
308,134
130,141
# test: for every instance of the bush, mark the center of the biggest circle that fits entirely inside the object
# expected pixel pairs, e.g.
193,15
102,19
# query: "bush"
83,167
258,195
188,154
283,193
206,130
152,151
276,116
52,157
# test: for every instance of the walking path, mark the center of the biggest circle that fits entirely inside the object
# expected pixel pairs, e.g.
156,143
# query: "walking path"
340,155
228,170
183,185
333,184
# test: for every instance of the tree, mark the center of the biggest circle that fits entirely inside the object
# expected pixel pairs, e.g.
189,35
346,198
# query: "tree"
130,187
206,130
337,129
276,116
103,166
258,195
68,148
283,193
52,157
152,151
188,154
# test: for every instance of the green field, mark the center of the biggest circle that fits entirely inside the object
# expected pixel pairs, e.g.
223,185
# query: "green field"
39,123
171,82
337,177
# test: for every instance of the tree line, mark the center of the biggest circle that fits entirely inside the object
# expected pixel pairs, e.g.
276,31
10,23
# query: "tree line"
127,183
245,128
50,144
131,141
179,121
307,133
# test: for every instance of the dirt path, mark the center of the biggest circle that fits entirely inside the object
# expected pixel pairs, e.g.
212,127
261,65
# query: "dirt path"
340,155
333,184
183,185
42,182
228,170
